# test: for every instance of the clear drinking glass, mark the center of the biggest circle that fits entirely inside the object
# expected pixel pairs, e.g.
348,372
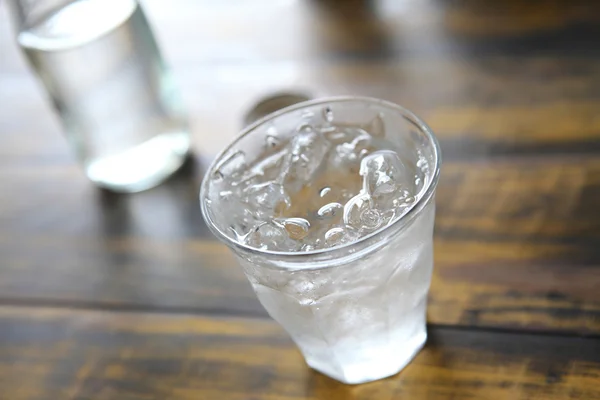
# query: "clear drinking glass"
105,76
357,312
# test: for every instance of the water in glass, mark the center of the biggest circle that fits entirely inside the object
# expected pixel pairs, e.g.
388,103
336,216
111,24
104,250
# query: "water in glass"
324,185
104,73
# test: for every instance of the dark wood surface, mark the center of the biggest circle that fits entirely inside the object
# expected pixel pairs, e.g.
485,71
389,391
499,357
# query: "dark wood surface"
59,353
129,297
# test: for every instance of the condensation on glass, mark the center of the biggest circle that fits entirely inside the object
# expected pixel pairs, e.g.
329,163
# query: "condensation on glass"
357,309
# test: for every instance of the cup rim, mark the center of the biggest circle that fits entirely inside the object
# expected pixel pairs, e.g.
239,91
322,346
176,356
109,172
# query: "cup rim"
397,226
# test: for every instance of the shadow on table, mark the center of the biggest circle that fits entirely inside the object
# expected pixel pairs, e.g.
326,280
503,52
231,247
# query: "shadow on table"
170,210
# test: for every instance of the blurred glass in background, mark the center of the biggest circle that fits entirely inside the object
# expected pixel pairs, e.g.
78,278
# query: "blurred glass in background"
102,68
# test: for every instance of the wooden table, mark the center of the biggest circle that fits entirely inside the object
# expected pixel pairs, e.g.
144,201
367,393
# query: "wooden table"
107,296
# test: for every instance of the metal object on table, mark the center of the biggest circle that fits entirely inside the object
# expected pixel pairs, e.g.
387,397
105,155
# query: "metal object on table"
272,103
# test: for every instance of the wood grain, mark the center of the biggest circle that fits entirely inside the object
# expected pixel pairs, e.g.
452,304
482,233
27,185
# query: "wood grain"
236,32
363,29
99,292
59,354
528,101
486,107
516,245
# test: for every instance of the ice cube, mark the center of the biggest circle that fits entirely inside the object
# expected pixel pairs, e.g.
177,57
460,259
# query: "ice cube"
265,168
270,236
296,228
266,197
240,218
361,214
354,209
334,236
347,154
382,172
360,142
371,219
338,134
231,165
401,206
306,153
339,235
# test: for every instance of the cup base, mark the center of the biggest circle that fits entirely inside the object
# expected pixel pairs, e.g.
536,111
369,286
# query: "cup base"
142,167
375,369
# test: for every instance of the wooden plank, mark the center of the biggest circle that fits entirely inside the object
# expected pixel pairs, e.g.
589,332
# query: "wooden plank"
512,90
221,33
478,107
383,29
58,354
517,245
480,103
